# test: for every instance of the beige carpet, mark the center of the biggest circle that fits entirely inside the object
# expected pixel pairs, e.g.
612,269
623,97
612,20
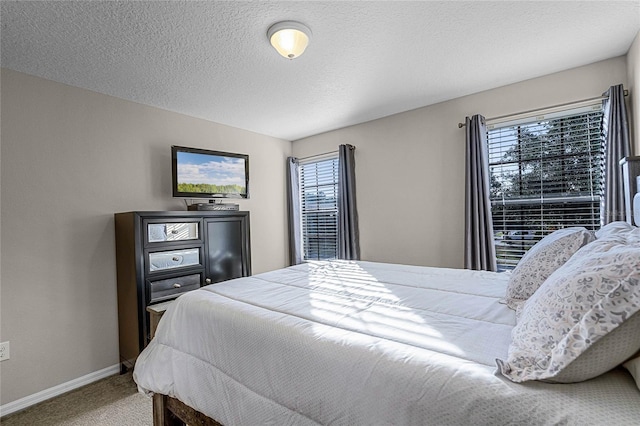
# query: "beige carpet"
111,401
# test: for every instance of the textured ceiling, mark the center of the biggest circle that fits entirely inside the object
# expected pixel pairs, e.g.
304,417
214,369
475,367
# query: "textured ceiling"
366,60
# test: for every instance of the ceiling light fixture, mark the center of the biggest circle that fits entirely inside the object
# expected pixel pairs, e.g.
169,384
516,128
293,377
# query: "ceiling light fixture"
289,38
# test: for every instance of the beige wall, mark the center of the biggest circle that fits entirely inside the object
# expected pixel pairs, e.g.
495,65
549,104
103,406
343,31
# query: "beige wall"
633,73
70,159
410,166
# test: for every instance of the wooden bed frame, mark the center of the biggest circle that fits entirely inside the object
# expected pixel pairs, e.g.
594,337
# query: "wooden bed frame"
169,411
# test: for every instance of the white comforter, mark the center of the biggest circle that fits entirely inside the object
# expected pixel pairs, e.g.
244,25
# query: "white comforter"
361,343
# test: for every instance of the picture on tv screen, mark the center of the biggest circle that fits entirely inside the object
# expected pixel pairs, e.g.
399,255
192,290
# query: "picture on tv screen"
201,173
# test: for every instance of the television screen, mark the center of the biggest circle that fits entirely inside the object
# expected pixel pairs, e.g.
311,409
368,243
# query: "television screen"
200,173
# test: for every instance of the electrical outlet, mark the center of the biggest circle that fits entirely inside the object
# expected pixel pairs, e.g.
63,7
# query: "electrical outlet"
4,351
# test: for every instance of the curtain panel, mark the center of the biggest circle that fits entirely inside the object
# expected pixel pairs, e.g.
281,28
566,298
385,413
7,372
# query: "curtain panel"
617,145
480,253
348,234
294,211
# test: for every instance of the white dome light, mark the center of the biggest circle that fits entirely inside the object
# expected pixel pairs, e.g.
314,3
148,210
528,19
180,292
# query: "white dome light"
289,38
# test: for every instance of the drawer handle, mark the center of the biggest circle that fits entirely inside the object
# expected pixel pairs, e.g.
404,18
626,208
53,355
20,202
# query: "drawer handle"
175,258
208,281
177,285
174,231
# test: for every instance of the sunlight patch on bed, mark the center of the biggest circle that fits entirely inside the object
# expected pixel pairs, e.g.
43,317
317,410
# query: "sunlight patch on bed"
345,295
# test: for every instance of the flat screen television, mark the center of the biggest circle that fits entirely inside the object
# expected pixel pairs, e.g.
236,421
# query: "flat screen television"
201,173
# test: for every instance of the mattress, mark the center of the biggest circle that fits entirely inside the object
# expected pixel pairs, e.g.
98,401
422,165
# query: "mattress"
354,343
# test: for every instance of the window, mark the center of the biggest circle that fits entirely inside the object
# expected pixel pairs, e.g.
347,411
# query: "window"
319,210
546,173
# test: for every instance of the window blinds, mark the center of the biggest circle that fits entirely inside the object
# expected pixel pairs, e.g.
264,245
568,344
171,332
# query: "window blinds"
319,193
545,174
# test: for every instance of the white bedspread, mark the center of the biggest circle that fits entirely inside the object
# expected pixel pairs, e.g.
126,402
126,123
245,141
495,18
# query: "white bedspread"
361,343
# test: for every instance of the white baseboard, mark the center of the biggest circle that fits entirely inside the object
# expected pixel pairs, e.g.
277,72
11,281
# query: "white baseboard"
30,400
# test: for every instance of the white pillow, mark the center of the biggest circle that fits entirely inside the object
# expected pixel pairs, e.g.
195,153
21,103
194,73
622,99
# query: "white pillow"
634,368
619,231
614,229
541,261
583,321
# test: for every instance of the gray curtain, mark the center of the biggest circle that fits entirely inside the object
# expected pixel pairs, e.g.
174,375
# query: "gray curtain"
294,214
615,131
348,235
479,251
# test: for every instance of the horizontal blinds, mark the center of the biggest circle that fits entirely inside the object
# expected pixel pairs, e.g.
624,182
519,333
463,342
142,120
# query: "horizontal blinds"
545,174
319,189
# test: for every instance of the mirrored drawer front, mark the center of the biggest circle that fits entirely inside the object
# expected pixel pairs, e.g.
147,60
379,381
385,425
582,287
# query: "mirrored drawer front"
163,260
169,288
161,232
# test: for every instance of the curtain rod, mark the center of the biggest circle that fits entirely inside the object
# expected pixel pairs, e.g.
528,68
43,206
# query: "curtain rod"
626,93
318,155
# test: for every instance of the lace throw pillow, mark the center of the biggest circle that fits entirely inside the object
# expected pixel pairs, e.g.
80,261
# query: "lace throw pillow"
583,321
541,261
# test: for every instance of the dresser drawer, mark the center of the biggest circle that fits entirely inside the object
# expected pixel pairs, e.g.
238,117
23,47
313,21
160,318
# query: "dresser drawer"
172,231
172,287
164,260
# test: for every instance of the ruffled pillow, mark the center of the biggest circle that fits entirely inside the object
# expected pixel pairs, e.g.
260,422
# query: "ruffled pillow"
634,368
541,261
583,321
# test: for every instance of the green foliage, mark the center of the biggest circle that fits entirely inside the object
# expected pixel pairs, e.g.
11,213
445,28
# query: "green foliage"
205,188
560,156
558,161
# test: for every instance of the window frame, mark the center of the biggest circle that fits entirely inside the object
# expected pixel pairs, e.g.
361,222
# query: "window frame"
321,215
562,204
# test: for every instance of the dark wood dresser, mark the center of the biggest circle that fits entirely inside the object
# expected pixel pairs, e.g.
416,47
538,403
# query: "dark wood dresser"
161,255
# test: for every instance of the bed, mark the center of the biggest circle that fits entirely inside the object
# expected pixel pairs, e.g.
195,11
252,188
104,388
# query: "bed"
365,343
